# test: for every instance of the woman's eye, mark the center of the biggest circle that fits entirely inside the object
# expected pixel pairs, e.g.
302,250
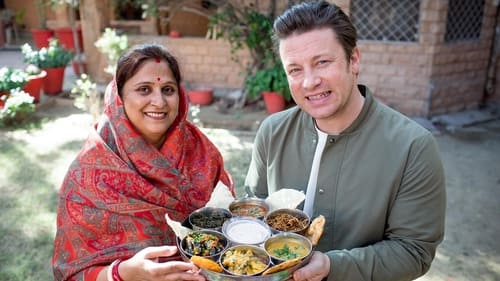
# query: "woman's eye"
168,90
144,89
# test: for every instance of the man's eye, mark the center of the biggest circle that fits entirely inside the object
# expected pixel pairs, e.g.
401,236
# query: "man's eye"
321,62
293,70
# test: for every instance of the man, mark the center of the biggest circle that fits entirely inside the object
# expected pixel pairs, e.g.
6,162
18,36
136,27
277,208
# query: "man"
374,174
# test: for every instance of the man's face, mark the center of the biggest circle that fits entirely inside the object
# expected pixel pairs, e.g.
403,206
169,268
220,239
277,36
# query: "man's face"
321,80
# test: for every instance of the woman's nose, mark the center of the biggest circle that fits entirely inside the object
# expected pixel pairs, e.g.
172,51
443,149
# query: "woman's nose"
157,99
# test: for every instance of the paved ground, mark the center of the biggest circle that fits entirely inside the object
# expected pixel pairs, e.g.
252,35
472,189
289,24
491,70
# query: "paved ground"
470,148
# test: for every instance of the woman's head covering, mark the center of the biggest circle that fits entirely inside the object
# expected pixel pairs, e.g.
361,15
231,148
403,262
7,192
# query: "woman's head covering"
115,194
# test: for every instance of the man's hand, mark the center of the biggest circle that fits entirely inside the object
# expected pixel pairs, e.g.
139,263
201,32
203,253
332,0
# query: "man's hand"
317,268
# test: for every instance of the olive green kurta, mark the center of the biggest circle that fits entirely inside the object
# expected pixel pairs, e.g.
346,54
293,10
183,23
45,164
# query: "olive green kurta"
380,186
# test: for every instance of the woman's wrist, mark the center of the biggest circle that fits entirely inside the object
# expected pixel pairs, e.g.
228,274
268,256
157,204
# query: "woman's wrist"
113,273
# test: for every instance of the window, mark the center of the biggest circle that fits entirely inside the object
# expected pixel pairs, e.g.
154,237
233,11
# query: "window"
464,20
386,20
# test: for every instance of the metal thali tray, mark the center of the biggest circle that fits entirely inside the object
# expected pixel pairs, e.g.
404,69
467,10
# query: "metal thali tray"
215,276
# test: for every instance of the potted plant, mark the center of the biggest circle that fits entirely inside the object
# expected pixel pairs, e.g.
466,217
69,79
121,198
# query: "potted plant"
17,108
113,46
272,84
246,26
10,79
36,77
53,60
87,97
42,34
71,36
201,95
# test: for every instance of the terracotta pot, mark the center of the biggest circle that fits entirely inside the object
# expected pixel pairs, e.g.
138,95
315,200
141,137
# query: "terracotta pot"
2,101
65,36
54,81
76,69
174,34
41,37
35,84
274,102
201,96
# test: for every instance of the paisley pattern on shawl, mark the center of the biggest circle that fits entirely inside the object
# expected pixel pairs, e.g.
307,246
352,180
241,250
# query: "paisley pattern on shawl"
116,192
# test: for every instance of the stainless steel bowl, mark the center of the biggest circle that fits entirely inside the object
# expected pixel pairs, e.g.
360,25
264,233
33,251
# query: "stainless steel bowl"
249,207
241,260
247,231
290,220
286,246
209,218
186,245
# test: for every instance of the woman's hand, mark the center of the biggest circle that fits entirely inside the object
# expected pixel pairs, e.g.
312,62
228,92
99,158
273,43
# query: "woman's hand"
143,266
317,268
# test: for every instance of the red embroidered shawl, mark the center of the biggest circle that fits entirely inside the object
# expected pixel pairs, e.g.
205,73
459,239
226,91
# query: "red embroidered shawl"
116,192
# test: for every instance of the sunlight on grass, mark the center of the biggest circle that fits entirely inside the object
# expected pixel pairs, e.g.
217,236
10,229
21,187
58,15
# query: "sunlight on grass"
33,163
236,148
32,166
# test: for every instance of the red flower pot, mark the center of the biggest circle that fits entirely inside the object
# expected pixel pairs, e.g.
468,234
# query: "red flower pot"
274,102
41,37
201,96
65,36
35,84
3,97
174,34
76,68
54,81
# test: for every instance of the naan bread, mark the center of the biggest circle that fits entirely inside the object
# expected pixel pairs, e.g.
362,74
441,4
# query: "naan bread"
206,263
315,229
282,266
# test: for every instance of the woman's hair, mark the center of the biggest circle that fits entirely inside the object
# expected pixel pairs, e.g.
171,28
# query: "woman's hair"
308,16
130,62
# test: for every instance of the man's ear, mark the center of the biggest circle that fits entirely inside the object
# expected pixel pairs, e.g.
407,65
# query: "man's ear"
354,63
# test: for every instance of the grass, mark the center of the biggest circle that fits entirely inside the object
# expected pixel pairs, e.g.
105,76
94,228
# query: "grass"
33,161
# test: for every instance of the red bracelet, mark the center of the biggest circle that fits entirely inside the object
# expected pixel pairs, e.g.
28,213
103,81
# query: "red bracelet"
114,270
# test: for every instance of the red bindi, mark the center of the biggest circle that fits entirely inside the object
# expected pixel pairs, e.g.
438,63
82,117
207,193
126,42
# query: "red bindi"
157,60
158,78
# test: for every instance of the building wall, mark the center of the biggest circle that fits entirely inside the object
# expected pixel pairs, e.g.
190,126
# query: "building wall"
422,78
203,62
398,74
495,95
459,70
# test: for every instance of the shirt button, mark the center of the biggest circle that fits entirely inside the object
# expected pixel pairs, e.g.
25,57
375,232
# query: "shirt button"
332,140
321,191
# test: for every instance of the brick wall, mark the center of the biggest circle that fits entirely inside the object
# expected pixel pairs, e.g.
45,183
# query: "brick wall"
397,73
423,78
459,70
203,62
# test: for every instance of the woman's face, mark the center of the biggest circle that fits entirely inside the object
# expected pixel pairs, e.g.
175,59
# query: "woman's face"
151,100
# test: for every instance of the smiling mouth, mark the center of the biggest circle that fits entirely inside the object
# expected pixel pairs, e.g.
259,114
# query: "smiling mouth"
319,96
156,115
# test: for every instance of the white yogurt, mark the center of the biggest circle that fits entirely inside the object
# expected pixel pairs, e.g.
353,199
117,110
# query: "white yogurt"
247,232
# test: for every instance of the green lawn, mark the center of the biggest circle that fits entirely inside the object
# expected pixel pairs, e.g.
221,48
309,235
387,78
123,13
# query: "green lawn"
32,165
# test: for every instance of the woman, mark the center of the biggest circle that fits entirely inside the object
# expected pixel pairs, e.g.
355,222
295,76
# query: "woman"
143,160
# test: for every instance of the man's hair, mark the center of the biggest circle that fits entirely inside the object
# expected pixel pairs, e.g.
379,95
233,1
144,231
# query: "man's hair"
130,62
309,16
